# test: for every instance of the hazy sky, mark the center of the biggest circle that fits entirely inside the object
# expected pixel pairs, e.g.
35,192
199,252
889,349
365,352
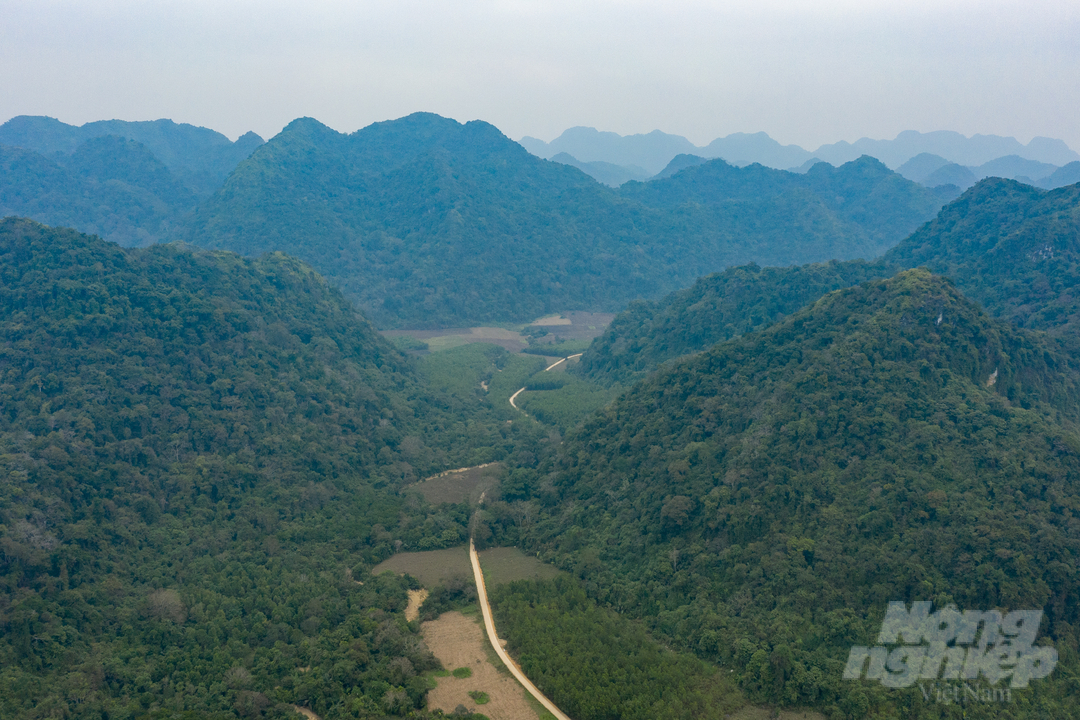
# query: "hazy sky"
805,72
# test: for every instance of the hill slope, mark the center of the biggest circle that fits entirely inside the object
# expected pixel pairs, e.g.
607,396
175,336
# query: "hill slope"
198,454
201,158
1009,246
109,186
428,222
763,501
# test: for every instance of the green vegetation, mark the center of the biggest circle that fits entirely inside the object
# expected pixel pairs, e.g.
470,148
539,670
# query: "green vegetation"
716,308
565,401
109,186
1009,246
761,502
462,369
462,672
201,457
481,697
199,157
595,664
429,223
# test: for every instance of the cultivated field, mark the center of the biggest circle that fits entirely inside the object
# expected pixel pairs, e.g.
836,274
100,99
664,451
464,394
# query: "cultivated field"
431,567
504,565
455,486
458,641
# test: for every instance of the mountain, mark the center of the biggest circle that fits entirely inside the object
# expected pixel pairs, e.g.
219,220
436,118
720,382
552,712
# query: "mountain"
199,157
651,151
654,150
951,174
199,454
761,502
918,168
868,205
428,222
109,186
1014,167
717,307
1067,175
1009,246
973,151
603,172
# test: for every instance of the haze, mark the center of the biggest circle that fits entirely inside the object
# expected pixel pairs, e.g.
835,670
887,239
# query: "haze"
805,72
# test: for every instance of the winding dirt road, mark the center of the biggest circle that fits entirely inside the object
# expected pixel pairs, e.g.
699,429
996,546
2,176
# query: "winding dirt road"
489,625
549,367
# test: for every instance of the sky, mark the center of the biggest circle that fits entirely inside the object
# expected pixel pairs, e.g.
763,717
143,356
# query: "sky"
805,72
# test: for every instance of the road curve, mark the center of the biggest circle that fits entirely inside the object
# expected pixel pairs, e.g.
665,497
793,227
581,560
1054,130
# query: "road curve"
549,367
489,625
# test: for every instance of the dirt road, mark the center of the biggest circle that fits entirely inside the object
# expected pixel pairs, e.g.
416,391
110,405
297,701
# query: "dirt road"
489,625
549,367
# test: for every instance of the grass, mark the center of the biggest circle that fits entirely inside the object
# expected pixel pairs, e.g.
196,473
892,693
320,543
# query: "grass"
462,672
508,564
558,349
460,370
430,567
515,373
481,697
565,406
457,487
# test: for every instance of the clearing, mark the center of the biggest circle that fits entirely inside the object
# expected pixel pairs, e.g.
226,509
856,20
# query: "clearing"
430,567
458,641
507,564
456,486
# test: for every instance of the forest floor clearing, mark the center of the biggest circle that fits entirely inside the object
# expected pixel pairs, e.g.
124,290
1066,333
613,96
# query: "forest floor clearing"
416,599
461,485
306,713
430,567
457,640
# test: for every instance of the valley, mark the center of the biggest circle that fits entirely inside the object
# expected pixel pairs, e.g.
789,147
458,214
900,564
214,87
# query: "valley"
305,421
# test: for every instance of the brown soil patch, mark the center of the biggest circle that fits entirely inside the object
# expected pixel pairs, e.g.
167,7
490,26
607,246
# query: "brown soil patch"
458,641
431,567
456,486
305,712
416,599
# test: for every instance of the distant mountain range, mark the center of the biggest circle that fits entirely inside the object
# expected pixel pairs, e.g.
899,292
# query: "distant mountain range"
428,222
199,157
1008,246
653,151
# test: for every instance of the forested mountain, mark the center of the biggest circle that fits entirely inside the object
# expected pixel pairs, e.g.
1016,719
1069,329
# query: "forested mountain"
200,460
1007,245
429,222
717,307
1013,248
761,502
109,186
201,158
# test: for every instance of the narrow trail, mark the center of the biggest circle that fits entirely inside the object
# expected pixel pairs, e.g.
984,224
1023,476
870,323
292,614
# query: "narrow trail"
549,367
489,625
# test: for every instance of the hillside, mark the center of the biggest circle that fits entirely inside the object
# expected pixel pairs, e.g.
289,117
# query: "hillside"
201,158
1009,246
109,186
427,222
717,307
201,456
761,502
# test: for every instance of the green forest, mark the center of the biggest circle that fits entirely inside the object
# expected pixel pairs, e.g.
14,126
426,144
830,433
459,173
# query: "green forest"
206,445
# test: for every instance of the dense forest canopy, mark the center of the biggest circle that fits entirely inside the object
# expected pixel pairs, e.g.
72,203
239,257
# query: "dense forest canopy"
761,502
201,456
1011,247
427,222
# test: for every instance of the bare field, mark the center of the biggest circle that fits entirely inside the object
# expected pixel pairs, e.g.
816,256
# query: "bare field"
453,337
458,641
457,486
507,564
760,713
430,567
